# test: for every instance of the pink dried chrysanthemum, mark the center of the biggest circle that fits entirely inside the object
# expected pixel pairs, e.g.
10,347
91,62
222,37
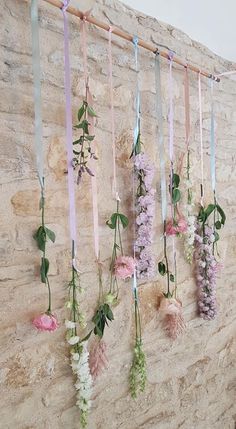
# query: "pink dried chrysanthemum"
46,322
97,358
124,267
173,321
178,227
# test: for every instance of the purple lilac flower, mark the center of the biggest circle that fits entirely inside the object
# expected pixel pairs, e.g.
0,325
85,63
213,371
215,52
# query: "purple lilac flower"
206,268
145,208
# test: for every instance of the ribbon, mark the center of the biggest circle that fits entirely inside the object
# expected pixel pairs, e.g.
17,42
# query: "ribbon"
136,134
213,150
187,110
69,138
137,103
171,113
94,190
160,136
201,136
171,155
37,93
91,121
114,184
84,49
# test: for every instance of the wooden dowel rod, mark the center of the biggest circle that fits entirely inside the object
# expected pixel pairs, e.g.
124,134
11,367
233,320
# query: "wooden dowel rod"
118,32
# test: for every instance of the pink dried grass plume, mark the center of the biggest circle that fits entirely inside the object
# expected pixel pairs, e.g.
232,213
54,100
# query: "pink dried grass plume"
173,321
98,361
46,322
124,267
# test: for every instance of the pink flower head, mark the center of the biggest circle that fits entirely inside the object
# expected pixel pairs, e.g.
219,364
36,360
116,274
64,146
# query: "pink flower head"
124,267
179,227
46,322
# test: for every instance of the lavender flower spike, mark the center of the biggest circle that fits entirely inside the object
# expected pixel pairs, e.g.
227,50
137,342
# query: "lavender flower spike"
206,268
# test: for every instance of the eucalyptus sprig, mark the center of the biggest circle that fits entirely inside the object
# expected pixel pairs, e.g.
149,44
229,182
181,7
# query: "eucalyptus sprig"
74,288
85,151
115,222
163,266
175,193
219,219
137,148
41,236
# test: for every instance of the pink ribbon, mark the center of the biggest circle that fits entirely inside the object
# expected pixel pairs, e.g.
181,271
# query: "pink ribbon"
114,184
92,161
187,112
171,154
69,137
201,137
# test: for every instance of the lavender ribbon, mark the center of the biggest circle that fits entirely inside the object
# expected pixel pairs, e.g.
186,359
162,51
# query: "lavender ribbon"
136,133
160,137
69,138
137,124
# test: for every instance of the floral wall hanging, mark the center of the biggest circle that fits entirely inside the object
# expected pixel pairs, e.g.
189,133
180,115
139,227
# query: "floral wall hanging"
207,236
170,306
144,208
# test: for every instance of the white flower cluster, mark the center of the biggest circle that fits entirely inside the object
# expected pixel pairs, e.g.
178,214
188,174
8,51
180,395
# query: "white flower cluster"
189,236
80,367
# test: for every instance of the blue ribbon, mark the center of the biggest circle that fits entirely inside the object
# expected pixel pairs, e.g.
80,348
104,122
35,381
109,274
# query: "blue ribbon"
212,145
160,137
136,134
38,138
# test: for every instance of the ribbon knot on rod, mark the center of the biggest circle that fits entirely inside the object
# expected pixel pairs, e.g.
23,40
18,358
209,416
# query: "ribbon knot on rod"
65,5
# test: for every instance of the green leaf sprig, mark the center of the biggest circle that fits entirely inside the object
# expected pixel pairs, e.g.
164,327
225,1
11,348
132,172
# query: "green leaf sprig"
175,194
41,236
115,222
74,287
219,219
84,152
101,317
163,266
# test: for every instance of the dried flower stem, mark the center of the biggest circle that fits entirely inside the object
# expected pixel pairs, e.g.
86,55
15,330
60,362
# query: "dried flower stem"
41,235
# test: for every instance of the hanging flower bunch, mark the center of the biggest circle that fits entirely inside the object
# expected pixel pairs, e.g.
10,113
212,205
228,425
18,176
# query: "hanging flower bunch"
138,375
85,151
46,321
190,218
170,306
177,225
206,265
79,353
145,206
121,267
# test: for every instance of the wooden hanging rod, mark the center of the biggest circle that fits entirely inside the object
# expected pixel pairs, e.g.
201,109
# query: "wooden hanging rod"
118,32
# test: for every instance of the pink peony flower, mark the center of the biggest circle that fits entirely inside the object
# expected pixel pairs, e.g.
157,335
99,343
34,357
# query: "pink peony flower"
46,322
179,227
124,267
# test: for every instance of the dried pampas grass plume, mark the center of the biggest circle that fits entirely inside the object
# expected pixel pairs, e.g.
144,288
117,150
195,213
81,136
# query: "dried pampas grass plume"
97,358
173,321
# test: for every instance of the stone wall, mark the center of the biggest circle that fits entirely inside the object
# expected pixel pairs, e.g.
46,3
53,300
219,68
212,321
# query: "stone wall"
191,382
